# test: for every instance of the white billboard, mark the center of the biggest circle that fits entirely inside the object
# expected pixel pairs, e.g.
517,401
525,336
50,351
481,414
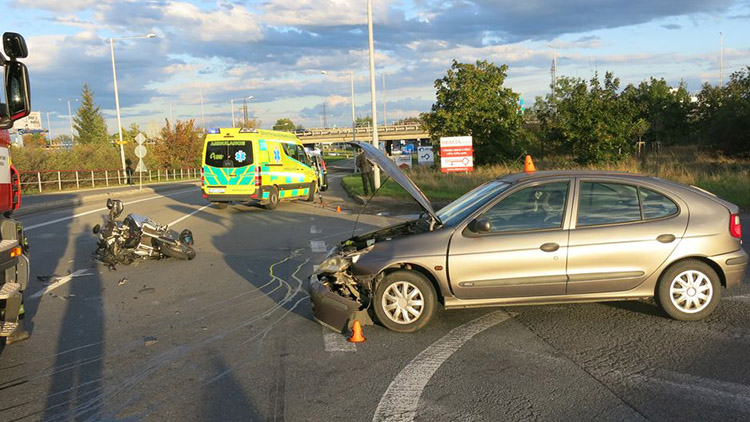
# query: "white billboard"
31,122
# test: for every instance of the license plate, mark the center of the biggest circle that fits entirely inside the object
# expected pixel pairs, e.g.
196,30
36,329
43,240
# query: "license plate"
216,190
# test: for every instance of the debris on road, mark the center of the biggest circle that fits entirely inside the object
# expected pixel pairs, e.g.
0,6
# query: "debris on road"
149,341
122,281
46,278
147,290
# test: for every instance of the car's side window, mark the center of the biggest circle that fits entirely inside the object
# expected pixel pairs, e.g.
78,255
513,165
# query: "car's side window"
607,203
656,205
533,208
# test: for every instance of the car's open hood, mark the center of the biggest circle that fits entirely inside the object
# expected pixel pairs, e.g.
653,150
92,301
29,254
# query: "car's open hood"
388,166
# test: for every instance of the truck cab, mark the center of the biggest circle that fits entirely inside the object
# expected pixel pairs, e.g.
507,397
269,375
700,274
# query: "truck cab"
14,263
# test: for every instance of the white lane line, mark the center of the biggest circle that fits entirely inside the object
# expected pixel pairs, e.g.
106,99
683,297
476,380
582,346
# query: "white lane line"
318,246
335,342
47,223
399,403
315,230
191,214
59,282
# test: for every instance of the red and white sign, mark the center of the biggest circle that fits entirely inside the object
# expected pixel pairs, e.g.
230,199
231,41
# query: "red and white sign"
456,154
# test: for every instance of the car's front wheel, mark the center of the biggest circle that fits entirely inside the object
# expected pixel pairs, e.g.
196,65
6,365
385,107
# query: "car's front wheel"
689,290
405,301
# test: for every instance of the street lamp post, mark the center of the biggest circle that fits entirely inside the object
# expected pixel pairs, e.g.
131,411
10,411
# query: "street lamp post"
70,118
354,117
117,96
231,102
375,143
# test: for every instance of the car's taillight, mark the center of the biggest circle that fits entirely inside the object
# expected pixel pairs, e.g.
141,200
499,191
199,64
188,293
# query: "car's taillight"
203,180
735,228
257,176
323,162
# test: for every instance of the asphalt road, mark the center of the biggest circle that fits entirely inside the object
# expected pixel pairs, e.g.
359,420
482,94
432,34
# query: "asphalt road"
229,336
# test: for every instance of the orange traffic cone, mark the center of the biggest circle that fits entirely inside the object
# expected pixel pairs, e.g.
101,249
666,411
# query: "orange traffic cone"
357,336
338,208
528,165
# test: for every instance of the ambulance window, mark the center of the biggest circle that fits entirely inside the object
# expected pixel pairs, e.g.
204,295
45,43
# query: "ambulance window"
229,154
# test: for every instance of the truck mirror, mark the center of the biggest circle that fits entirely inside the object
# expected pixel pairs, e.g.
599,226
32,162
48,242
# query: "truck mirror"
17,90
14,46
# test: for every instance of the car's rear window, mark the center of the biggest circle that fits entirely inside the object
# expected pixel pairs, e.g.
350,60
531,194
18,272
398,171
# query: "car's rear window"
607,203
229,154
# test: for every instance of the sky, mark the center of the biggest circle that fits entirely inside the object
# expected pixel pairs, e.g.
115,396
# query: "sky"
293,56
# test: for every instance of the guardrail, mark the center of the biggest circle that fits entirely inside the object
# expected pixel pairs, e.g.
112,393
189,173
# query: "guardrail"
59,180
302,133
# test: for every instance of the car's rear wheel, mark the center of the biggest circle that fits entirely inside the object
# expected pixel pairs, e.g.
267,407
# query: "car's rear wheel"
689,290
405,301
273,198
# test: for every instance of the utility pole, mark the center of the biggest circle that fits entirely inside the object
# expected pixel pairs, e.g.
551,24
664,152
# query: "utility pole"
385,105
244,103
325,118
373,101
553,70
721,59
203,117
49,129
354,117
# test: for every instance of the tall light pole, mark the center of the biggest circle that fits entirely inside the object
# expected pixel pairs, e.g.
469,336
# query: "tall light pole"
231,102
203,117
49,129
354,117
117,95
374,103
385,105
721,59
70,118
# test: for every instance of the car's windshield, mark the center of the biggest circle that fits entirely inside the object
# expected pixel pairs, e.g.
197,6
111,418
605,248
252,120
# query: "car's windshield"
464,206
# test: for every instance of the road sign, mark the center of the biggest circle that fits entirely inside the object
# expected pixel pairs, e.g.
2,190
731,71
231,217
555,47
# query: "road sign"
425,156
403,161
140,151
456,154
140,138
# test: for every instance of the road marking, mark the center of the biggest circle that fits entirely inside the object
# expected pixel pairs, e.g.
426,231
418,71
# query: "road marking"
335,342
36,226
318,246
59,282
186,216
399,403
315,230
740,297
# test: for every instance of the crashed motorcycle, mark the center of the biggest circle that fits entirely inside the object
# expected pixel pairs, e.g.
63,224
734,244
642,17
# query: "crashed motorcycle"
138,237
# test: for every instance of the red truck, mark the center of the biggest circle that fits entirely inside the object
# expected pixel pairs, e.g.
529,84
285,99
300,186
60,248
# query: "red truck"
14,263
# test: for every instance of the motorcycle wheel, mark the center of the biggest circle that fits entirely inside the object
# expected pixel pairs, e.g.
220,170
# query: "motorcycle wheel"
178,251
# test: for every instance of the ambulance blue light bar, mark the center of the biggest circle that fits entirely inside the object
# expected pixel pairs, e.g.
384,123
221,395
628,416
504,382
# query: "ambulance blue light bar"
214,131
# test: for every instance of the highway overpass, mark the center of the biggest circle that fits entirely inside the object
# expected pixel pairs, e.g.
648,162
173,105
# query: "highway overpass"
385,133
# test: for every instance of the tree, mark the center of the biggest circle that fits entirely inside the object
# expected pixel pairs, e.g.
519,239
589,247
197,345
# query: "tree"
284,124
363,121
666,109
250,123
179,146
89,122
34,140
471,100
591,122
724,114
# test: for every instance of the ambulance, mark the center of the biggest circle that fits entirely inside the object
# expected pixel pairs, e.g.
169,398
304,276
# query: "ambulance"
265,167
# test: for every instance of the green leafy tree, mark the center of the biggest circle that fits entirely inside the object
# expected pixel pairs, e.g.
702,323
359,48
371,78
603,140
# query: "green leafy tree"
284,124
724,114
471,100
34,140
179,146
89,122
250,123
363,121
591,122
665,108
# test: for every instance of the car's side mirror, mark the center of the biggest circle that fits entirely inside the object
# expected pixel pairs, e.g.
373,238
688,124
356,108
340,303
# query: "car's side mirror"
480,225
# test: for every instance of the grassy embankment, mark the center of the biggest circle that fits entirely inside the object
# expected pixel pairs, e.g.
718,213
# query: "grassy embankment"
725,177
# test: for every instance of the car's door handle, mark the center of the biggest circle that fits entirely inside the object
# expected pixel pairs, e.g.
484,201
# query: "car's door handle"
666,238
550,247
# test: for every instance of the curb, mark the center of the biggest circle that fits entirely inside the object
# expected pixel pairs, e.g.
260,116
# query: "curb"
26,210
353,196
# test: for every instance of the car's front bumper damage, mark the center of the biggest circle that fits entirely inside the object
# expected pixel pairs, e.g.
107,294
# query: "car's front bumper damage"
338,298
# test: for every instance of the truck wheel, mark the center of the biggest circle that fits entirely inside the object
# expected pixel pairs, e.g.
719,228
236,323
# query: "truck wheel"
689,290
311,192
273,198
404,301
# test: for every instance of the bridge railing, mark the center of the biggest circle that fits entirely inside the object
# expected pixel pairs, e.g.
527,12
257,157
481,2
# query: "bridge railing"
59,180
363,130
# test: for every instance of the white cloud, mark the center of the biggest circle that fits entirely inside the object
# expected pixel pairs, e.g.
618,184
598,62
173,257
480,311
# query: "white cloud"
57,5
322,13
233,24
334,100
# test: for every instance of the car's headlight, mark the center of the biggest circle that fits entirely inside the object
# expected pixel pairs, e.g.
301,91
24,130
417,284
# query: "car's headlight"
333,265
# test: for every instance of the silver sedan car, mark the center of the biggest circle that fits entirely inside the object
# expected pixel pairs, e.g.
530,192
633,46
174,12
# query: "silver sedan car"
537,238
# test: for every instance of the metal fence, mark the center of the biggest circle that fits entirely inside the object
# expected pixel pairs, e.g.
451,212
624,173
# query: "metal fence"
58,180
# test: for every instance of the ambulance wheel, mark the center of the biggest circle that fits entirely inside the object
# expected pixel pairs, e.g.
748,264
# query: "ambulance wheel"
220,205
273,198
311,192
